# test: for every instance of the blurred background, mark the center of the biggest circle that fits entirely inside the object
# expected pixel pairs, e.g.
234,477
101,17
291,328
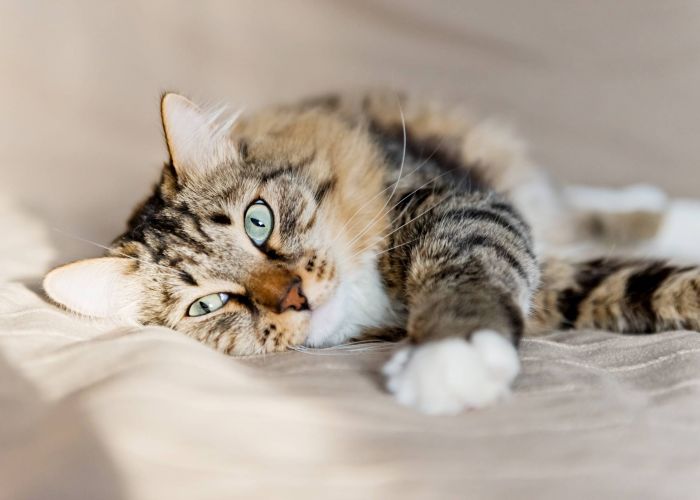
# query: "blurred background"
604,92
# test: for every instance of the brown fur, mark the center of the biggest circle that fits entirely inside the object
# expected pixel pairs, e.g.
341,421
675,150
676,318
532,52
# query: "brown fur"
375,181
635,296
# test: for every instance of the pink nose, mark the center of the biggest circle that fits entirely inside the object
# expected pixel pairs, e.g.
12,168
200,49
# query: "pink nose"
294,298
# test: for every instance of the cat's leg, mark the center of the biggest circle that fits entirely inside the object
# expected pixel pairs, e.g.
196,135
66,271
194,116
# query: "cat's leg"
626,216
572,217
465,271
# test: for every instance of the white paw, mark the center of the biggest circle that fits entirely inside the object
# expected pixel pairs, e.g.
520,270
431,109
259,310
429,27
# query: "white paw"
446,376
636,198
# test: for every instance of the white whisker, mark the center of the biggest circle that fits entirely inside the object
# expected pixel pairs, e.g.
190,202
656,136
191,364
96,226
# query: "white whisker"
420,165
104,247
379,214
403,211
397,203
403,154
397,246
346,348
408,222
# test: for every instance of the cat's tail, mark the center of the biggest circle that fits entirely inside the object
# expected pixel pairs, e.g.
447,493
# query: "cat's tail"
619,295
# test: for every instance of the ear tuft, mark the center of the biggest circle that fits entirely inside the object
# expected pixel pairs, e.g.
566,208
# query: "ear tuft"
197,142
100,287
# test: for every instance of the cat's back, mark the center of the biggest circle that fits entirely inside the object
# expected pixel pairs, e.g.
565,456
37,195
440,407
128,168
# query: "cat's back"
430,141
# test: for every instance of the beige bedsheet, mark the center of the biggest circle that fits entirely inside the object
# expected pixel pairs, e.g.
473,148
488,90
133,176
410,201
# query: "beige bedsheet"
606,93
96,410
93,411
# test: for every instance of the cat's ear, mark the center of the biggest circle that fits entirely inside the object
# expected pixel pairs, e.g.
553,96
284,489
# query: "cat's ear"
197,141
102,287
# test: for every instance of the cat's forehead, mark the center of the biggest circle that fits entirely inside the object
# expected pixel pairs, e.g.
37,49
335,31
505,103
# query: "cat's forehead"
284,136
198,233
232,188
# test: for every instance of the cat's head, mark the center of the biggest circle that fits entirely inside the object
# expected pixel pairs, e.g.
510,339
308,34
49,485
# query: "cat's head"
258,236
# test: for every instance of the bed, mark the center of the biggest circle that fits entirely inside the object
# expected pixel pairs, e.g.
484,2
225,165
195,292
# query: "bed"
606,94
93,409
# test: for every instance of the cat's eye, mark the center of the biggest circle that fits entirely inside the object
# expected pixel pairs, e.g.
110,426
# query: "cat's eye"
208,304
258,222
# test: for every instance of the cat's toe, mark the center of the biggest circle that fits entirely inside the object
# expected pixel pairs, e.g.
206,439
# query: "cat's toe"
447,376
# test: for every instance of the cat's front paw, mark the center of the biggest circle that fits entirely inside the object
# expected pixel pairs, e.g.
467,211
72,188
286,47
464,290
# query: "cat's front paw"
446,376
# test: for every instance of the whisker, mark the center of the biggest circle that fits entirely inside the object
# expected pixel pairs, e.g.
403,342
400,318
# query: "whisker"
418,167
376,196
347,348
403,225
403,153
397,246
104,247
396,184
375,219
402,211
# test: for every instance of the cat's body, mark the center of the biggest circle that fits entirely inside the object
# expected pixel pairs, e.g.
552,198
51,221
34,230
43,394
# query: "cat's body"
372,217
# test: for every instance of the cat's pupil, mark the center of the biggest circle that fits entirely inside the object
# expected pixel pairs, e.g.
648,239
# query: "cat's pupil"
204,306
257,222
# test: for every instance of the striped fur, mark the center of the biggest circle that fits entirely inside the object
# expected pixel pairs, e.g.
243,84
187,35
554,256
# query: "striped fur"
395,217
634,296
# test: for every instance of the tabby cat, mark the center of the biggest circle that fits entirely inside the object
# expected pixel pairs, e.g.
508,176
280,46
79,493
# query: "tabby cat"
372,216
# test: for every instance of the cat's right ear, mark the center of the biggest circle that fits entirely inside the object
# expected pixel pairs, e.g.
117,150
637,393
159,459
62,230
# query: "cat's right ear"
101,287
196,142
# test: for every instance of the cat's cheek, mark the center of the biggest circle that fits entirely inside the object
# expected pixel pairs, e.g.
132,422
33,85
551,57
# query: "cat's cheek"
291,329
318,293
319,280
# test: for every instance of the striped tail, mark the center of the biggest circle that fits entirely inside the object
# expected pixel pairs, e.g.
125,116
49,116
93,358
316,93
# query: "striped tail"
625,296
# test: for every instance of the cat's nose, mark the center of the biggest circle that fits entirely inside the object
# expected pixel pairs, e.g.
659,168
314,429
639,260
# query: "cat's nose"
294,298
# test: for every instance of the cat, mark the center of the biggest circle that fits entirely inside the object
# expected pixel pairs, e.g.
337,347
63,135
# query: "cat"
374,216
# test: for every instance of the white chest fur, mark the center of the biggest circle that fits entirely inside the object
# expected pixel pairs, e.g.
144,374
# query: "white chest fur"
358,302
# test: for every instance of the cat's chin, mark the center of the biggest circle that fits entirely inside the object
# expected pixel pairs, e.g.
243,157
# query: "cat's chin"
326,323
358,302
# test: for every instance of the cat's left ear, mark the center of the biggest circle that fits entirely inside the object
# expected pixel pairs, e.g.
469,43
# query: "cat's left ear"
197,142
102,288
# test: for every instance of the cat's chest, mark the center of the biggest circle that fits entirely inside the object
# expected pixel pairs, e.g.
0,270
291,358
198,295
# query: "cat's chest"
359,302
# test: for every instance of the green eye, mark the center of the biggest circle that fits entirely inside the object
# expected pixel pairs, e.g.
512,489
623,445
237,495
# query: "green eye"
208,304
258,222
